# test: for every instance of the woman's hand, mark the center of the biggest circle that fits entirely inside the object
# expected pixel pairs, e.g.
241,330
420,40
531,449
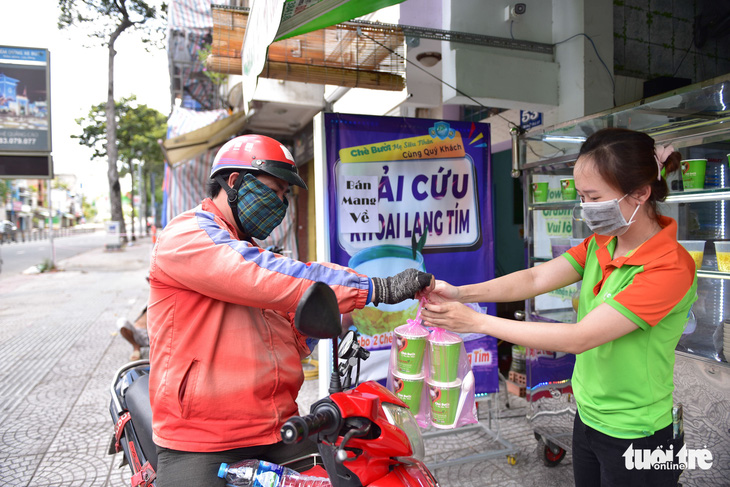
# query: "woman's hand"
451,316
439,291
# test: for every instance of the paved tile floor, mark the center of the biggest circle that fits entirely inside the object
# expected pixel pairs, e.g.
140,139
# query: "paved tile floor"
503,430
59,349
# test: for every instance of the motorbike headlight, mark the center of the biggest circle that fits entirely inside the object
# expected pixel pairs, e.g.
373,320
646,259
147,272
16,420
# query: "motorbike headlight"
402,418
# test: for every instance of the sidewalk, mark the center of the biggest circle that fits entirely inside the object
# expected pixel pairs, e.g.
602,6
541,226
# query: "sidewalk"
59,349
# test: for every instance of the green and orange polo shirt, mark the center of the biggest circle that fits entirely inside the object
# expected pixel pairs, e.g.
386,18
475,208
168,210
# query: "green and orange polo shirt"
623,388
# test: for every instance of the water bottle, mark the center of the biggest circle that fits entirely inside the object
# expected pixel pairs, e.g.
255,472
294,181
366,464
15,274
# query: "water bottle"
258,473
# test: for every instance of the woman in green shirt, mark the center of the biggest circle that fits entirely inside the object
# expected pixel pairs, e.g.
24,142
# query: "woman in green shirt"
638,285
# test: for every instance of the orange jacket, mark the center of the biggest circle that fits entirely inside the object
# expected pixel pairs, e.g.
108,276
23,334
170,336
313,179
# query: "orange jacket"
225,357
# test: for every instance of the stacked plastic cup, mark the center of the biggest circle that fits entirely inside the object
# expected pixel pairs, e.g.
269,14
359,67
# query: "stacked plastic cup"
444,386
408,376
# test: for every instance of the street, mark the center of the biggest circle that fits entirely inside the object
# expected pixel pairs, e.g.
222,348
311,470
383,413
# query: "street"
19,256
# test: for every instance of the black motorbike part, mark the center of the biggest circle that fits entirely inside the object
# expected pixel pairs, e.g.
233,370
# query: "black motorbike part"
138,404
359,427
350,351
318,314
325,419
350,348
342,476
131,414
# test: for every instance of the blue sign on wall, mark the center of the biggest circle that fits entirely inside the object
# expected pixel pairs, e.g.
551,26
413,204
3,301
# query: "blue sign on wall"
529,119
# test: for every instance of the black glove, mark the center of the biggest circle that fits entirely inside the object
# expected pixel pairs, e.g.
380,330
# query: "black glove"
397,288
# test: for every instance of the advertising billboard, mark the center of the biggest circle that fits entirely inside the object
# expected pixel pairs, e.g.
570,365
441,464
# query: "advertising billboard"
25,113
407,193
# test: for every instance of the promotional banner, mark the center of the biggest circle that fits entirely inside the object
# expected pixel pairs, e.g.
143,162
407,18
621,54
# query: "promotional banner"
548,369
484,361
407,193
24,108
25,119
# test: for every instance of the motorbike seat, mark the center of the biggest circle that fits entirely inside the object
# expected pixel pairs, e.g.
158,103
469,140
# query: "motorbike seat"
137,400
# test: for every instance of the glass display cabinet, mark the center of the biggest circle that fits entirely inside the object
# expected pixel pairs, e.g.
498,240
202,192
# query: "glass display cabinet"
695,120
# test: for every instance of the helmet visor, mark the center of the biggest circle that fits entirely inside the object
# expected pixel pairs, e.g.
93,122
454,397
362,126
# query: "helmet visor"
282,170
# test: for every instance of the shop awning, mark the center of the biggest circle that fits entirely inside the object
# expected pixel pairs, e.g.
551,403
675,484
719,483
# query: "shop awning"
192,144
350,54
299,18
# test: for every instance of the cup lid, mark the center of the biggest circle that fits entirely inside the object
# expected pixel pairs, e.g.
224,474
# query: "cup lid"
401,375
444,385
408,330
445,339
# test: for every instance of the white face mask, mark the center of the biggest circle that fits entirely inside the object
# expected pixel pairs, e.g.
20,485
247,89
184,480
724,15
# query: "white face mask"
605,217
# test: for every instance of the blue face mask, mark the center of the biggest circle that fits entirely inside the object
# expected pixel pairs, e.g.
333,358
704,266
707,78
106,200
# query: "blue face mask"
259,210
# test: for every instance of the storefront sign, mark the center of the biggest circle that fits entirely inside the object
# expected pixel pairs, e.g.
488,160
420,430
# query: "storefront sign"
427,188
358,204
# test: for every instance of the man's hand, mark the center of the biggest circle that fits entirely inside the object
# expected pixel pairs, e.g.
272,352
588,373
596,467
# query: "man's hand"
402,286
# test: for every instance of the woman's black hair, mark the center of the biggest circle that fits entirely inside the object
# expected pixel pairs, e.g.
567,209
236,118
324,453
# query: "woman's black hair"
625,160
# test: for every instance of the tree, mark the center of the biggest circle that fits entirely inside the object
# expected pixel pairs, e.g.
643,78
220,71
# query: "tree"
89,209
138,128
110,18
4,190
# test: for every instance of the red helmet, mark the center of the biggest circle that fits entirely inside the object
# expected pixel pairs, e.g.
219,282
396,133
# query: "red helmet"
257,153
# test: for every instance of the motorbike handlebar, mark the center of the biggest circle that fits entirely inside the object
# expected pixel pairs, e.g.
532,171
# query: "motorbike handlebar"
297,428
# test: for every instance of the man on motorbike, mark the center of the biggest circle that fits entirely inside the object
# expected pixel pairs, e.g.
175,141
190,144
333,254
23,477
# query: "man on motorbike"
225,356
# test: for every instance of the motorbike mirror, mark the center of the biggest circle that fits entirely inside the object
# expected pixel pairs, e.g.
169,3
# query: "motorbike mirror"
318,314
345,350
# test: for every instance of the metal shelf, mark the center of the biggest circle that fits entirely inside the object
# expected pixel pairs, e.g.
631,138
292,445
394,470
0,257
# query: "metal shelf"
713,274
554,205
699,196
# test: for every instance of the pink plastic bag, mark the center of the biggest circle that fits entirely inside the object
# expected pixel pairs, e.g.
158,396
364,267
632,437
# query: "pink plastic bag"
430,372
408,367
450,381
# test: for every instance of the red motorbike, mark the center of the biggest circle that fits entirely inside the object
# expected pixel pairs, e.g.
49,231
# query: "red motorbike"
366,436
